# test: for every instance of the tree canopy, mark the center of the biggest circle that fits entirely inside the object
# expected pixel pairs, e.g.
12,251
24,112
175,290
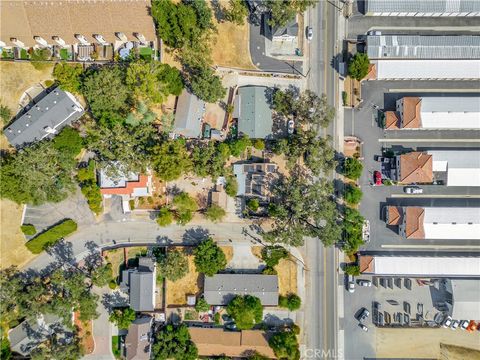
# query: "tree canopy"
185,206
164,216
68,76
215,213
353,231
352,168
236,12
353,194
171,159
246,311
173,266
209,257
283,11
173,342
292,302
122,317
358,66
285,345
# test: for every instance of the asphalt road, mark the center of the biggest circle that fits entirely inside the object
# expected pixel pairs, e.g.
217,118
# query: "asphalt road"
322,280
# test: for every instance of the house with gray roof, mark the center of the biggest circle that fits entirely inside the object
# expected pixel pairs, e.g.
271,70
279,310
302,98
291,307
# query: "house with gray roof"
253,112
188,115
44,118
140,284
253,178
29,334
138,342
220,289
287,32
434,8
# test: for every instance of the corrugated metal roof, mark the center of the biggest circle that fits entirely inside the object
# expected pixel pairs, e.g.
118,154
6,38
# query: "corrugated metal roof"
189,115
255,114
423,47
465,299
422,6
221,288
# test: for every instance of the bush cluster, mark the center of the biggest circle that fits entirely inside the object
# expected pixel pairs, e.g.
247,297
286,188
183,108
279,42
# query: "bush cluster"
51,236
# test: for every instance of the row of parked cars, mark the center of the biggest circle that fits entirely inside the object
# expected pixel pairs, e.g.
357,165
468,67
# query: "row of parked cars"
459,324
360,282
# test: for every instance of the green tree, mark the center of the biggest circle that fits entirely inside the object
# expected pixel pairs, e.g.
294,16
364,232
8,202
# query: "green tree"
68,76
143,79
284,101
173,342
353,194
352,168
69,142
209,159
358,66
202,305
238,146
205,84
273,254
292,302
231,187
37,174
5,352
283,11
311,109
185,207
253,204
353,270
171,159
209,258
237,11
171,79
353,231
122,317
246,310
285,345
131,147
107,94
164,217
173,266
5,114
215,213
102,275
259,144
39,58
58,349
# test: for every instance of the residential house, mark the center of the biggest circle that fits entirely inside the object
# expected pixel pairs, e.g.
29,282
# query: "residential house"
253,179
219,197
414,167
253,112
140,284
138,342
420,265
234,344
220,289
446,113
417,8
287,32
81,27
126,185
189,115
435,222
29,334
44,118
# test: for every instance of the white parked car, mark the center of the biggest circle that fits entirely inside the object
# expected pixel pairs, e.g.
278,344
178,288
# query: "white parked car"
309,33
365,283
363,327
447,322
350,284
413,190
290,126
464,324
366,231
455,324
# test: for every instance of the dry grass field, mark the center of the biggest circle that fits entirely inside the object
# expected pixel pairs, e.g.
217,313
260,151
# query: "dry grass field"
12,241
228,251
116,258
190,284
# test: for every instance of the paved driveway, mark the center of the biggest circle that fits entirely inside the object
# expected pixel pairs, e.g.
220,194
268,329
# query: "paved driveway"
75,207
243,259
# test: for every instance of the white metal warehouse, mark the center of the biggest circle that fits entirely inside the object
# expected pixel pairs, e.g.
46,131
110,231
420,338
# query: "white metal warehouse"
422,8
462,167
423,47
450,112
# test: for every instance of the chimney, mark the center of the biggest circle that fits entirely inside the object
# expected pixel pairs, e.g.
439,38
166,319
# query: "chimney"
41,41
82,39
17,42
140,38
58,40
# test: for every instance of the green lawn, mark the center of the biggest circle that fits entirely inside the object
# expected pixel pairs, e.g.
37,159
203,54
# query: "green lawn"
64,55
23,54
116,347
146,53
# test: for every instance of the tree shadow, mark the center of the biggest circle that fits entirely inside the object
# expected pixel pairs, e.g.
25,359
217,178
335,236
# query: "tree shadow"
62,252
173,190
195,235
218,10
114,300
163,240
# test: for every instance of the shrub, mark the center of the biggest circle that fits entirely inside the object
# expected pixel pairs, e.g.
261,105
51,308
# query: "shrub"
246,310
351,269
5,114
358,66
202,305
344,98
291,302
185,206
259,144
87,181
209,258
112,284
28,229
51,236
231,188
217,318
215,213
353,194
253,204
269,271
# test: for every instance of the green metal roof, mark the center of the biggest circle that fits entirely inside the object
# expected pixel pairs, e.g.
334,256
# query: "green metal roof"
255,115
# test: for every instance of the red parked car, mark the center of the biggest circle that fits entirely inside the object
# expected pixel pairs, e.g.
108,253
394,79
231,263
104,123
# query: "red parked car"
377,175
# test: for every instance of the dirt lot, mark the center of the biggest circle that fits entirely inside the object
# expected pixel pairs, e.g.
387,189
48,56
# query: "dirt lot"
12,241
451,352
228,250
423,343
191,284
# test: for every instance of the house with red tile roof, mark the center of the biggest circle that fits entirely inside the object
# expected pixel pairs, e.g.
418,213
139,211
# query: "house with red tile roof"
414,168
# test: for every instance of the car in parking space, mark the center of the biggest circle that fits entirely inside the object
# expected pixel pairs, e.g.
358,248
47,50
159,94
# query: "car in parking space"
363,327
447,322
290,126
377,176
413,190
383,159
365,283
366,231
363,315
309,33
464,324
350,284
455,324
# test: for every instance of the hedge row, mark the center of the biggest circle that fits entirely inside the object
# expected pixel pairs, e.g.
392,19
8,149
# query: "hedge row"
51,236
